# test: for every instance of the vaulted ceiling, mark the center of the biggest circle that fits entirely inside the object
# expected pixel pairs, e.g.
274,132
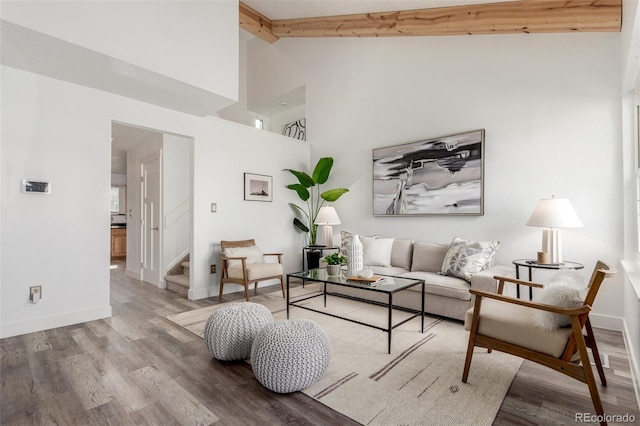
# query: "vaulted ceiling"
274,19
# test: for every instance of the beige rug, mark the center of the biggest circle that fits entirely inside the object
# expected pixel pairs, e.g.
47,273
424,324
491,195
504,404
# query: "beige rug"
418,383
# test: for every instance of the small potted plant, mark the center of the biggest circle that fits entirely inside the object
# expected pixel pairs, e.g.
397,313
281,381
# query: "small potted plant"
334,261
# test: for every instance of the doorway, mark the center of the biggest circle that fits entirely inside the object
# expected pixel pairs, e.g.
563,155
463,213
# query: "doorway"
154,232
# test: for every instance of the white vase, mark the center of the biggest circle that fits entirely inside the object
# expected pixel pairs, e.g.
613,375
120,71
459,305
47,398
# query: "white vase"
354,256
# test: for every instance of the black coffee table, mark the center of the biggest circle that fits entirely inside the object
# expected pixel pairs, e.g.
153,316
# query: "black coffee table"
390,286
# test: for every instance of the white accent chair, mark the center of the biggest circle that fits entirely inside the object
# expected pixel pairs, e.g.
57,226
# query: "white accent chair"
243,263
507,324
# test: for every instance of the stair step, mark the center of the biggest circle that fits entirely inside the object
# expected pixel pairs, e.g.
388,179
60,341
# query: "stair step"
178,284
186,264
182,280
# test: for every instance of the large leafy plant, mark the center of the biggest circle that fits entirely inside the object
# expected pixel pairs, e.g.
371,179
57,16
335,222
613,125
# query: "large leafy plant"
308,190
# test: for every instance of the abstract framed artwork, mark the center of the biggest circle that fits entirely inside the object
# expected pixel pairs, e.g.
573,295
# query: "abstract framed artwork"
258,187
438,176
296,130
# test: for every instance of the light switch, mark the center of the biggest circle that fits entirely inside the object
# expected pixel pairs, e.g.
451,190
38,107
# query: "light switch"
214,207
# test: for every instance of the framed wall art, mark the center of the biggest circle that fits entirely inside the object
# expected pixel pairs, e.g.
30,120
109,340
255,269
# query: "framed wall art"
438,176
296,130
258,187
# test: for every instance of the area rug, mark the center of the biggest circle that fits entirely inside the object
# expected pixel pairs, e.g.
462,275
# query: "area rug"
418,383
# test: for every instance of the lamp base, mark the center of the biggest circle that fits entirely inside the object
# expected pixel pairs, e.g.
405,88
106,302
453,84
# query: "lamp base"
327,235
552,243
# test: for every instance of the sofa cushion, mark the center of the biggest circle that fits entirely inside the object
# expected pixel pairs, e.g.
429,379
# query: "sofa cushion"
441,285
465,258
376,251
392,271
401,253
428,257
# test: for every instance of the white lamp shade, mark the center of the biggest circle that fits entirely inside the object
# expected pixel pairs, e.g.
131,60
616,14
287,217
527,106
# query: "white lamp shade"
554,213
327,216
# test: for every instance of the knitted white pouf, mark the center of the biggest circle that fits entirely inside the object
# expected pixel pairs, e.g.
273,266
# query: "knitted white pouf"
229,331
289,356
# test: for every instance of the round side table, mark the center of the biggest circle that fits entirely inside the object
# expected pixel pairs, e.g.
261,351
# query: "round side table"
532,264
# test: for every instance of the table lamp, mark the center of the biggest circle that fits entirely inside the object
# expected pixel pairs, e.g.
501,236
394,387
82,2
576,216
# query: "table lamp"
327,216
552,214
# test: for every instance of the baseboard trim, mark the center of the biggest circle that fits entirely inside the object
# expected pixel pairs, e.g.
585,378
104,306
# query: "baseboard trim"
607,322
132,274
202,293
17,328
634,364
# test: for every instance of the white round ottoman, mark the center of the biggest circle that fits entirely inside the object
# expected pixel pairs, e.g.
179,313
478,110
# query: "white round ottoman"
289,356
229,331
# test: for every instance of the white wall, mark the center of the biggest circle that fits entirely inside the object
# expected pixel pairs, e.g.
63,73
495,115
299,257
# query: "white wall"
61,131
158,36
176,198
550,105
59,241
219,167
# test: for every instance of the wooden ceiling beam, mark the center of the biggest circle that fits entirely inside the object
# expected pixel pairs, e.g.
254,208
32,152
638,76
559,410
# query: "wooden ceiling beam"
516,17
256,23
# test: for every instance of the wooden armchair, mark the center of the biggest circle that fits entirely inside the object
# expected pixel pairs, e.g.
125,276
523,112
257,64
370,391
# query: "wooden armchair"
506,324
243,263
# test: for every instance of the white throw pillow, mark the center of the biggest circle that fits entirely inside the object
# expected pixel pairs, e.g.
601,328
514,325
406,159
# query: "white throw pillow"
465,258
566,290
376,251
252,253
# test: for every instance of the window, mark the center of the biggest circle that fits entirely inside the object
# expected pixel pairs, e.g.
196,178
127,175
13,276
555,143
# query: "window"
259,123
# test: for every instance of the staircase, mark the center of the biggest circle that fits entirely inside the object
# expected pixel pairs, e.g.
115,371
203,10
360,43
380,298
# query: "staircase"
177,277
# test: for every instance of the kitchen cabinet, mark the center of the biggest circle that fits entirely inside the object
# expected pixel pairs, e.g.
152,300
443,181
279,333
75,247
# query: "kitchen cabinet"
118,243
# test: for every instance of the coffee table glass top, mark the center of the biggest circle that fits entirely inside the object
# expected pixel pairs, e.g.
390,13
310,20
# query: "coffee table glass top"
387,285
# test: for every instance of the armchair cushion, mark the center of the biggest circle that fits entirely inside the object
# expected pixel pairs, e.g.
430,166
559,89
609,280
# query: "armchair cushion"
514,324
256,271
465,258
252,253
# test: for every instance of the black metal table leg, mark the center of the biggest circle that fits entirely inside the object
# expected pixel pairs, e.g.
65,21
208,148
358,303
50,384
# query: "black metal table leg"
389,324
422,314
287,296
517,278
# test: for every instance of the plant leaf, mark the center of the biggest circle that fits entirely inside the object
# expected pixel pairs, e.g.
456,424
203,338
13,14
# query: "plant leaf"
303,178
301,226
322,170
302,191
300,209
333,194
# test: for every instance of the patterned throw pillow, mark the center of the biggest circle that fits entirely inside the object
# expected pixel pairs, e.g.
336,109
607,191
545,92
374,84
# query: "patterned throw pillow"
465,258
345,240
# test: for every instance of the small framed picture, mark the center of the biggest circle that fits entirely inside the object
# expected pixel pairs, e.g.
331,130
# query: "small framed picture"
258,187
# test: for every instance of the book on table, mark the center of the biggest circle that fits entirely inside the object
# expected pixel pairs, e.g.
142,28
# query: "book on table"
372,280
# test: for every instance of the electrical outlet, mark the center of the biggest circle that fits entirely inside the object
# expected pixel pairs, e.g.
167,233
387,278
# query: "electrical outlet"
35,289
213,269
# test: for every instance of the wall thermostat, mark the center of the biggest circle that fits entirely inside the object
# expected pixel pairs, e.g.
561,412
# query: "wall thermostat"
36,186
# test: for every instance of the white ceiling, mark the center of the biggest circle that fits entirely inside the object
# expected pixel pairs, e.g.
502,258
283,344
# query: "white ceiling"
290,9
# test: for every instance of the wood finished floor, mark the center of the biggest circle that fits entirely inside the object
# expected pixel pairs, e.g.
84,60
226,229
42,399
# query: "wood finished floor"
139,368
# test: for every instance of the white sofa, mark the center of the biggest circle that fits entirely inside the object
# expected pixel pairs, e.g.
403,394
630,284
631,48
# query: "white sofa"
444,295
